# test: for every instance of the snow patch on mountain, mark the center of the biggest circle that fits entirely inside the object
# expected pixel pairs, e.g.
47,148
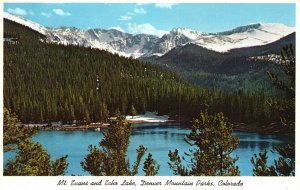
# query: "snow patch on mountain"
35,26
191,34
142,45
247,36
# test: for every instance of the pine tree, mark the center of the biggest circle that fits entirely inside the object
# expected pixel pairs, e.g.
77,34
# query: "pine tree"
13,135
260,165
104,112
33,160
150,166
212,143
110,158
285,165
133,111
285,107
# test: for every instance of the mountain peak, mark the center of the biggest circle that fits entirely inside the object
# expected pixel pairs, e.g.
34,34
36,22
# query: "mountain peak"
182,30
189,33
268,27
240,29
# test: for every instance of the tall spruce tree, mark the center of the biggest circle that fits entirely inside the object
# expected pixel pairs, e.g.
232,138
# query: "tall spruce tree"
31,159
150,166
13,135
133,111
285,107
211,143
110,158
285,165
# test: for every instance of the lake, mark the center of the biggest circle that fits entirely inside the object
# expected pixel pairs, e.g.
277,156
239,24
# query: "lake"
159,138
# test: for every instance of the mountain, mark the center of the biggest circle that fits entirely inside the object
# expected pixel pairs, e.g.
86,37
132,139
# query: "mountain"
111,40
83,84
47,82
232,60
245,36
193,57
241,68
144,46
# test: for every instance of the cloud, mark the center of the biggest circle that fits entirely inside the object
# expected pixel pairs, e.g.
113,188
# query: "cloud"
145,28
130,13
60,12
165,5
117,28
47,15
140,11
125,17
141,4
17,11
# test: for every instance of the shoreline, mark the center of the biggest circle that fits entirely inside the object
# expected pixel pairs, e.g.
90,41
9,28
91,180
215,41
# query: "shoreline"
150,117
93,127
264,130
238,128
89,127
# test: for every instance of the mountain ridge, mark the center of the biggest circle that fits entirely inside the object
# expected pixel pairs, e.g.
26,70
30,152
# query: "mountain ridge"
238,69
144,45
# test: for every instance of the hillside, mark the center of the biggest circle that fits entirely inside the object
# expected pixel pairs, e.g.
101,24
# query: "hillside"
233,60
239,69
48,82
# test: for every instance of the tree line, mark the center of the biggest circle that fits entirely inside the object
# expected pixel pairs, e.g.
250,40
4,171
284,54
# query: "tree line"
46,82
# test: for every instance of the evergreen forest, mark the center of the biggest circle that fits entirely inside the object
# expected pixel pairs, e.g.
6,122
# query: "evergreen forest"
46,82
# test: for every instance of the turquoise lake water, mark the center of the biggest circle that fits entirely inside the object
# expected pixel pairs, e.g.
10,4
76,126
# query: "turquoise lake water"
158,138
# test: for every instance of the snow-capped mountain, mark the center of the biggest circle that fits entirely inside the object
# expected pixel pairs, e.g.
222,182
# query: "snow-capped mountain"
111,40
35,26
143,45
245,36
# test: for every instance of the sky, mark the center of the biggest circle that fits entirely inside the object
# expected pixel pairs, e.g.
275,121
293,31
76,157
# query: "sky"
155,18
